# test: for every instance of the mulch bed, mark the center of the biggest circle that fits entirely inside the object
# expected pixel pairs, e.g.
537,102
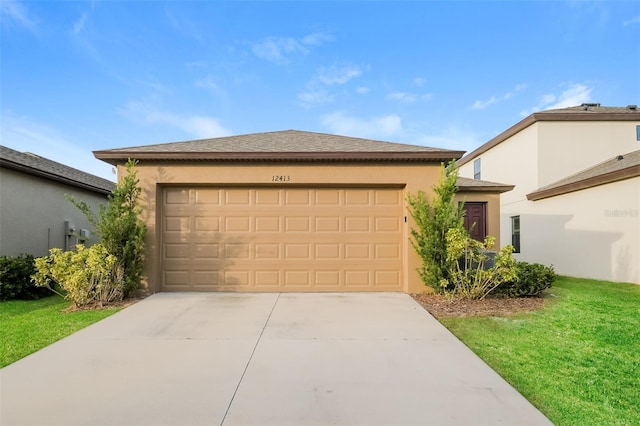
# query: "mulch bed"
440,306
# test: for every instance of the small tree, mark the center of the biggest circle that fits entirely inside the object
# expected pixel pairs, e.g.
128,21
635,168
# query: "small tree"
121,230
434,218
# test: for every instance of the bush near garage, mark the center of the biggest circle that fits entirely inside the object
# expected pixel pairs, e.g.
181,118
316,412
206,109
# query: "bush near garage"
15,278
530,281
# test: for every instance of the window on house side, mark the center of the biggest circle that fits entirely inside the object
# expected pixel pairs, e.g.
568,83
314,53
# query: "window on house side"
638,133
515,233
476,169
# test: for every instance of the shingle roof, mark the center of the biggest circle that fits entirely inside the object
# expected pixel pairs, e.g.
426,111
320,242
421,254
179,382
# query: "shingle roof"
473,185
35,165
288,145
584,112
621,167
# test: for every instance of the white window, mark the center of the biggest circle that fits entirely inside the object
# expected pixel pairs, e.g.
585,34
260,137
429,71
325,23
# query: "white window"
476,169
515,233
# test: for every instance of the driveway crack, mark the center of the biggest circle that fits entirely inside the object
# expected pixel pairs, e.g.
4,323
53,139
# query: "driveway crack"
246,367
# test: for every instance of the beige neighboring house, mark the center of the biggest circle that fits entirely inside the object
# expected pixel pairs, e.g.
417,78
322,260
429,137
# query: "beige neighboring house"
34,213
287,211
576,202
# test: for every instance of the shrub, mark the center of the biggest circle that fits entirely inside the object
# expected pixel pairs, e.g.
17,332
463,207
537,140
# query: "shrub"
531,280
89,276
121,230
434,218
15,278
466,260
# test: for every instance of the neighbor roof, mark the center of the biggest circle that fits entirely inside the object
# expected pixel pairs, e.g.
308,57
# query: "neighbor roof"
288,145
35,165
474,185
584,112
615,169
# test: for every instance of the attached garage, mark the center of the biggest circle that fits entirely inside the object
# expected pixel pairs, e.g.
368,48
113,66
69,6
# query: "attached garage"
281,211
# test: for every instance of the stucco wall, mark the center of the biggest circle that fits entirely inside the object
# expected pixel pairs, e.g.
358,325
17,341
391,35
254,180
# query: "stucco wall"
410,177
566,148
593,233
33,211
492,211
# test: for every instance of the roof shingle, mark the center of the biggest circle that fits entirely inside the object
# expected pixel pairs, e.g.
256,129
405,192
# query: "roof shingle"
43,167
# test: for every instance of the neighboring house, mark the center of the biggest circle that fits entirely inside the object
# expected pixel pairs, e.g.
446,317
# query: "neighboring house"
576,202
34,213
286,211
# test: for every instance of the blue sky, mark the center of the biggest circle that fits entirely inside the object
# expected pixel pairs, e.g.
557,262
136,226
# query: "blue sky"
81,76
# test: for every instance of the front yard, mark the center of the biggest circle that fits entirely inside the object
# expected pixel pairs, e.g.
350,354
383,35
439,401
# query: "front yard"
577,359
30,325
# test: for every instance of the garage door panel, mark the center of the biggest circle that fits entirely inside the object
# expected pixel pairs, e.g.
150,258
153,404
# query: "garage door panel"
282,239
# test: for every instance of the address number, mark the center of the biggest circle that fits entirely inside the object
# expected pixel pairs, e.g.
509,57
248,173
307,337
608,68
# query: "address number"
280,178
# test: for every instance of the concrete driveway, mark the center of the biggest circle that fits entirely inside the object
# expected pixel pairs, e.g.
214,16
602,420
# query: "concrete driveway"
261,359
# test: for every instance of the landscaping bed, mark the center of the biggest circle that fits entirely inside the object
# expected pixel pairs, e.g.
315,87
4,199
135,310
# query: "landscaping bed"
441,306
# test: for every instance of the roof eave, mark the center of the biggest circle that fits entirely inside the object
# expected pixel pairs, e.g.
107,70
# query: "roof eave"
52,176
119,157
615,176
494,189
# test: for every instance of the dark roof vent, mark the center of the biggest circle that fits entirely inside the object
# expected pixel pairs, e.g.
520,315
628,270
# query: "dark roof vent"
586,106
632,107
620,157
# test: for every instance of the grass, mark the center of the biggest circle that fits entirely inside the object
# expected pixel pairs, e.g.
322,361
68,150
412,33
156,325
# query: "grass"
27,326
577,360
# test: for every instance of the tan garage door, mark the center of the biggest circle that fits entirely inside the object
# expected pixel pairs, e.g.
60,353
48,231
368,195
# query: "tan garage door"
274,239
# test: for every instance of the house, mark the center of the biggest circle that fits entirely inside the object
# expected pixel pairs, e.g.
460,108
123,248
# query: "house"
576,200
35,216
286,211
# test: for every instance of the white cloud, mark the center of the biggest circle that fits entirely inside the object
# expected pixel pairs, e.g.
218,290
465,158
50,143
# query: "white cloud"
632,21
316,89
363,90
78,26
419,81
280,49
198,126
25,134
478,104
575,95
14,11
377,127
210,84
449,137
402,97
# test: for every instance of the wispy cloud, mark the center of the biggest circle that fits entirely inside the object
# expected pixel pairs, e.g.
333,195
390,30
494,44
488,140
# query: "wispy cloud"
419,81
450,137
363,90
27,134
632,21
78,26
483,104
408,98
199,126
280,50
377,127
316,90
15,12
575,95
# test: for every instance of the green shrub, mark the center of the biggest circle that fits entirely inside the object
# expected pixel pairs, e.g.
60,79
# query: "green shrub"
434,218
89,276
466,260
15,279
121,230
531,280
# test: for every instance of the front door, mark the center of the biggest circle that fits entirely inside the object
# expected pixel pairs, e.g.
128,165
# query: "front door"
475,221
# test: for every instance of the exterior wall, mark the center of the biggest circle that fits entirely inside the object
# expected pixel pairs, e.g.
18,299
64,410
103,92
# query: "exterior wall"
593,233
493,211
566,148
409,177
33,211
514,161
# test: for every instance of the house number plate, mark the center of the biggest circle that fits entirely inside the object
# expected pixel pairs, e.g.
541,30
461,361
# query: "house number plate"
280,178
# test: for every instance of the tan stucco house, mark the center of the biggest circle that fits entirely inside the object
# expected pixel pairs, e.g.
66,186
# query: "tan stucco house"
287,211
576,202
35,216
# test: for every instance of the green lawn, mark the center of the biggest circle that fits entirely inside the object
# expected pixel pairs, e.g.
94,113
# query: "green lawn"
577,360
29,325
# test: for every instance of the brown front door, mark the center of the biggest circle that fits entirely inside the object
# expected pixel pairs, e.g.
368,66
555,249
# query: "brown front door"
475,221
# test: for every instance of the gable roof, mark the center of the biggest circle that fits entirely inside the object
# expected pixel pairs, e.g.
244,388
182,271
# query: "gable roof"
615,169
584,112
288,145
35,165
